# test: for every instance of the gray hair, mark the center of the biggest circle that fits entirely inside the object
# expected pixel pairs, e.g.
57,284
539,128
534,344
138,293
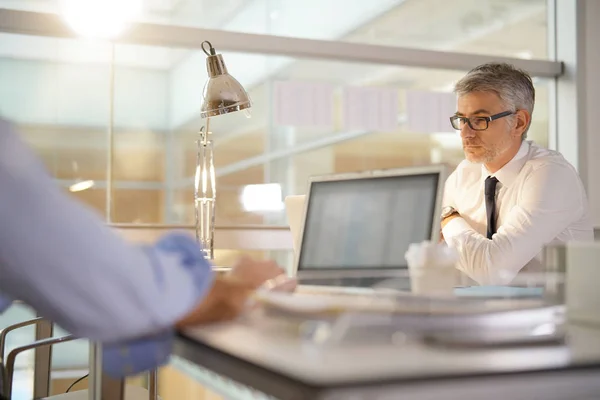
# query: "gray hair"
514,86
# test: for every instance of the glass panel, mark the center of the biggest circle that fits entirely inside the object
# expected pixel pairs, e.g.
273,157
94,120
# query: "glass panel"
63,99
56,92
266,150
141,132
23,379
19,337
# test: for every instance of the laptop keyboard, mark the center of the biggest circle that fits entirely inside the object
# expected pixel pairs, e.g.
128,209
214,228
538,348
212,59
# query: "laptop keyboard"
366,283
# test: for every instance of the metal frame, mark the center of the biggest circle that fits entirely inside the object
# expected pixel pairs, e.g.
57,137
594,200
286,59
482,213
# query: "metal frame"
12,357
248,237
42,24
44,330
4,332
43,354
578,90
100,387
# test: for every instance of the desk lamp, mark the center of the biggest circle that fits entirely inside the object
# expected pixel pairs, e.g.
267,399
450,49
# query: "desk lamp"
222,94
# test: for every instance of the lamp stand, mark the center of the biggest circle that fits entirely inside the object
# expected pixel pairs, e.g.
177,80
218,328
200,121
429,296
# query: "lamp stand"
205,193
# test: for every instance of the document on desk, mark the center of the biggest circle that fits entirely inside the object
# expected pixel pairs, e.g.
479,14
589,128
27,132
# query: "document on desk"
446,321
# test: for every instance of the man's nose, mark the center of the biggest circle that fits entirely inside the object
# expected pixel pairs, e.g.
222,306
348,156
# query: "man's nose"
467,132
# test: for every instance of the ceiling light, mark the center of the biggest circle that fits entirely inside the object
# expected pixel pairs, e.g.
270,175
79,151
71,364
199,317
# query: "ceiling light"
81,186
526,54
100,19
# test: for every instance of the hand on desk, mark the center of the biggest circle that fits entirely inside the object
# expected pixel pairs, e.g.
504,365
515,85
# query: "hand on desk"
227,297
229,294
255,273
262,274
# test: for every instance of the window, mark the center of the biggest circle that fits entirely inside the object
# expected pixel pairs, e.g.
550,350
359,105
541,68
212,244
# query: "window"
63,102
263,150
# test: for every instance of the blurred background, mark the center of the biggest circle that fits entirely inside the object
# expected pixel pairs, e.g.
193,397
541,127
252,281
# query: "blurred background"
59,93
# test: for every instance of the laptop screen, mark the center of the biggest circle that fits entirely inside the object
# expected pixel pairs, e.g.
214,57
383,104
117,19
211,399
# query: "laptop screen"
367,223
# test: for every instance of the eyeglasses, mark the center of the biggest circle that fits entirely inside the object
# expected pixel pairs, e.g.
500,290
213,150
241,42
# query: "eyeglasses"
476,123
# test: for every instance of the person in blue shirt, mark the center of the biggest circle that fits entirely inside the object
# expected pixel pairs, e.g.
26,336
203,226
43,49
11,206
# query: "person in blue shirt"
57,256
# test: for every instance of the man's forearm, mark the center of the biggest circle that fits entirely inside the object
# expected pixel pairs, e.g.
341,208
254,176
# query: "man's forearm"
59,257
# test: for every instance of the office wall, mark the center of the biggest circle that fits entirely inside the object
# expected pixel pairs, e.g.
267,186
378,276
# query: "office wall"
591,48
578,92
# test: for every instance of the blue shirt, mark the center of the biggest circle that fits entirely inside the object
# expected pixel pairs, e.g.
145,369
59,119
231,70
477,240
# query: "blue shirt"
58,256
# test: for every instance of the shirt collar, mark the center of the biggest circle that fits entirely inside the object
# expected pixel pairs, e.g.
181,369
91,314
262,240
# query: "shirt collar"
507,174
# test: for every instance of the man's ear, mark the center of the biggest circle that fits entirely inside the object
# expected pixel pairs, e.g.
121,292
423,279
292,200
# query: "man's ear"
522,121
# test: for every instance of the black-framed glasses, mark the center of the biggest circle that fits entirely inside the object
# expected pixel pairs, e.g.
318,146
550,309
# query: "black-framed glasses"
476,123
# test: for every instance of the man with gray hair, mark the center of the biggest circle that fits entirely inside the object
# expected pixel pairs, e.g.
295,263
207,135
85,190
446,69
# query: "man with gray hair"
510,197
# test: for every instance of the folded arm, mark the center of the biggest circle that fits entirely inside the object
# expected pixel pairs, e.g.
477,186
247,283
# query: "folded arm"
550,202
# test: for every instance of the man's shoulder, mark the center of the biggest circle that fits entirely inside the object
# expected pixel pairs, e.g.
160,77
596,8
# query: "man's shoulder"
541,157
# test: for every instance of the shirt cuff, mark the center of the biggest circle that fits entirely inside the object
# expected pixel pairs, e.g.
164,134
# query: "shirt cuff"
455,227
176,250
136,356
5,302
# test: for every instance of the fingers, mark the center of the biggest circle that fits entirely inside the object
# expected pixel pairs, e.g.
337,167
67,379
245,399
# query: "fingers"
273,268
281,284
256,273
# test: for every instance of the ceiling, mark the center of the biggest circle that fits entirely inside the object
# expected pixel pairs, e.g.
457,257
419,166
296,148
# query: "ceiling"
488,27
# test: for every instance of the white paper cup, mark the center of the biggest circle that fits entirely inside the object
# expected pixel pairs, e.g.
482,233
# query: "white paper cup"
432,268
572,278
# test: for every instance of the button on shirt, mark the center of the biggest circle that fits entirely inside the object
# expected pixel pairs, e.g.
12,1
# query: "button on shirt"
540,200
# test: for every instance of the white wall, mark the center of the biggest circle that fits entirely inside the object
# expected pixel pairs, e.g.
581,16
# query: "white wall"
591,47
578,92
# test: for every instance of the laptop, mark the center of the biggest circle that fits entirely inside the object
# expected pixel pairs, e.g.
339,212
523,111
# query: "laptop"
351,230
294,209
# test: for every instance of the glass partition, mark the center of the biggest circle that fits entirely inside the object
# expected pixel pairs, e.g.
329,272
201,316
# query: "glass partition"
69,101
56,91
283,144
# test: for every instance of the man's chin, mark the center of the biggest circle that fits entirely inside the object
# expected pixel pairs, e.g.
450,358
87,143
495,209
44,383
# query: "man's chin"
474,158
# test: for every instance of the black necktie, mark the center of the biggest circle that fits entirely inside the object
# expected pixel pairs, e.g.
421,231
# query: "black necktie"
490,204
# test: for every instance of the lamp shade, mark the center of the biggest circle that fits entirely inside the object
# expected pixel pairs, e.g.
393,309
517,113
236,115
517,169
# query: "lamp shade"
222,93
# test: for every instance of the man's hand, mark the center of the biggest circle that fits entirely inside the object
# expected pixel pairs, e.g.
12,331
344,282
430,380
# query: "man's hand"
226,299
229,294
255,273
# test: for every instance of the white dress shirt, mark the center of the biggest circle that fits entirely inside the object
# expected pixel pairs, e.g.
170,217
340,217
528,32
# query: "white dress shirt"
540,200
